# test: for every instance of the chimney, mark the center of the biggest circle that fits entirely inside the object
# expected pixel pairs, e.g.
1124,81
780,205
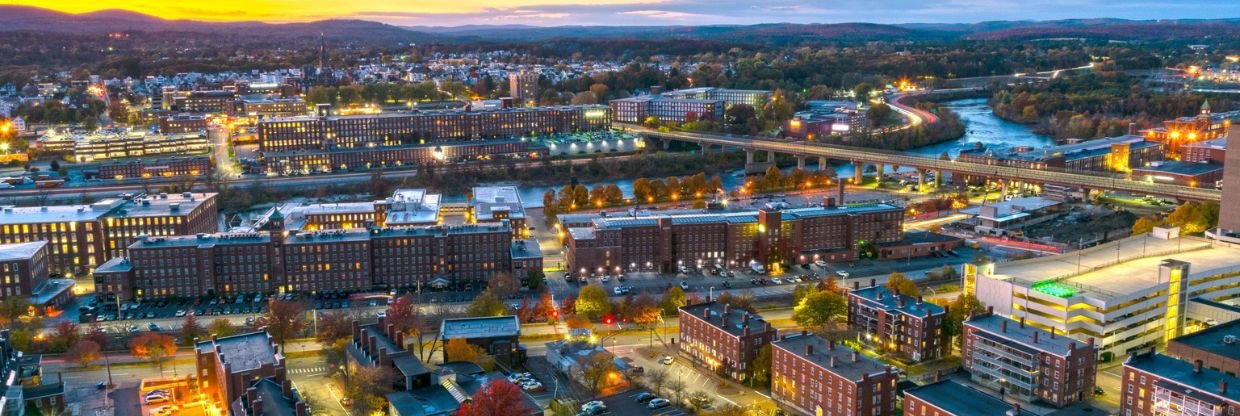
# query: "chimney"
213,338
357,329
727,309
878,296
809,349
854,356
900,300
1090,341
873,282
856,285
745,330
832,361
1003,326
257,406
286,387
804,332
382,322
1022,322
1035,337
1222,387
1197,367
990,310
1052,332
706,312
831,345
768,326
1132,129
918,300
1016,409
391,331
1071,346
723,320
301,409
937,374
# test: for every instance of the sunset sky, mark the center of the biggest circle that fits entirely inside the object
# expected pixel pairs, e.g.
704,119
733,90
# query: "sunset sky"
651,12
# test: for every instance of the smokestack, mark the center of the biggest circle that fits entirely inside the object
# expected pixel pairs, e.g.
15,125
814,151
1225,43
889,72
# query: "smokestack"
1197,367
832,361
1035,337
1003,326
856,285
831,345
873,282
1022,322
840,194
1222,387
854,356
809,349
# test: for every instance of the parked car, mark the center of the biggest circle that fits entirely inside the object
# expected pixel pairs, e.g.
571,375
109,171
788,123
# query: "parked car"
645,397
606,278
684,284
820,263
666,360
842,273
658,403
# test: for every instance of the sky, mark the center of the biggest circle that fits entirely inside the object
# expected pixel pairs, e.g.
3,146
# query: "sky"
651,12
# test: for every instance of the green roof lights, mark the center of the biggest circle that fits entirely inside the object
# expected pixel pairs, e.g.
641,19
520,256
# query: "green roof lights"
1054,289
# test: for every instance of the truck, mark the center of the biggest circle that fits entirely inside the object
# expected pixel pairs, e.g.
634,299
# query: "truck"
55,183
757,267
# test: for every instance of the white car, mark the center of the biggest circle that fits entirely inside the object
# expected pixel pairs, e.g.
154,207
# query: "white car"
619,290
589,407
657,403
531,386
793,279
606,278
684,285
842,273
666,360
777,280
820,263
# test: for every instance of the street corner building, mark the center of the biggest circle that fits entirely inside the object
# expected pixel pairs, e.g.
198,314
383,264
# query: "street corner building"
1027,362
813,376
722,339
246,375
897,323
1156,384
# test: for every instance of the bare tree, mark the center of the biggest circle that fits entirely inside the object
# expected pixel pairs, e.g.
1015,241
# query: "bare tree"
657,378
595,370
677,388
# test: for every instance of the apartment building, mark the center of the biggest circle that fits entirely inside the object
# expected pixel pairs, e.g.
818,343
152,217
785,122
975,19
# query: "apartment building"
523,86
245,375
1112,154
82,236
897,323
309,161
257,108
497,203
182,123
666,242
1217,347
692,104
723,340
813,376
118,143
1028,363
1156,385
1206,151
425,127
23,267
157,168
214,102
949,398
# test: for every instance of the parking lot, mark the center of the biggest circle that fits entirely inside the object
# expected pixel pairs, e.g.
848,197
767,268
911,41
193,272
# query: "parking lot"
627,403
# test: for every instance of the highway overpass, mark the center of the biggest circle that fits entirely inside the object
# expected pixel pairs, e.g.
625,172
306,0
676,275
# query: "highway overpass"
801,149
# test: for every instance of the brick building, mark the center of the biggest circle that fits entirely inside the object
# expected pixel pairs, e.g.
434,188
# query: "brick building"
337,261
1211,151
83,236
258,108
246,375
897,323
146,168
381,345
308,161
182,123
1217,347
425,127
723,340
499,336
949,398
1027,362
813,376
215,102
523,86
691,104
1194,174
773,238
497,203
1180,132
23,267
1112,154
1155,385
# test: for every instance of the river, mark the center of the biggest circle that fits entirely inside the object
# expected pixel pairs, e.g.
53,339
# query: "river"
981,126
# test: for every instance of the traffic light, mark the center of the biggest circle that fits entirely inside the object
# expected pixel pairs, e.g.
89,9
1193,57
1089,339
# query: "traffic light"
607,319
555,314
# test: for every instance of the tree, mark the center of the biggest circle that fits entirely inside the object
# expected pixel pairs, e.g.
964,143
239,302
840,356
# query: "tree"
334,331
727,410
677,387
64,335
12,307
190,329
819,308
673,299
593,302
643,310
742,302
457,349
657,378
960,309
504,285
899,284
595,369
486,304
1194,217
499,397
83,353
577,322
368,386
284,320
1144,225
761,366
401,312
221,327
153,346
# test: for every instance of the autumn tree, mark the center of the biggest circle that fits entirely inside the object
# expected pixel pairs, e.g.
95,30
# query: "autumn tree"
457,349
486,304
64,335
368,386
819,307
899,284
83,353
1144,225
742,302
153,346
673,299
577,322
960,309
593,302
284,320
761,366
498,397
595,370
221,327
335,329
190,329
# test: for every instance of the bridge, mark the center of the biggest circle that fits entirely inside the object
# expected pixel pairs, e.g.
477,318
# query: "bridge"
1087,180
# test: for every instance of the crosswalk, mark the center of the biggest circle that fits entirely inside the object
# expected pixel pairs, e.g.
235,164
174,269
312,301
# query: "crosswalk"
307,370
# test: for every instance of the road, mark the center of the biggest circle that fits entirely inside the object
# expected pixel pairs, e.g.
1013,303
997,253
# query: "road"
1084,179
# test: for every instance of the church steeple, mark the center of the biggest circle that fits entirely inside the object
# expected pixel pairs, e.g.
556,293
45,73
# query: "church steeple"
1205,107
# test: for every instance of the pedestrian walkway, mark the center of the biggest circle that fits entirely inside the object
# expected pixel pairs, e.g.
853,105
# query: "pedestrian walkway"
310,370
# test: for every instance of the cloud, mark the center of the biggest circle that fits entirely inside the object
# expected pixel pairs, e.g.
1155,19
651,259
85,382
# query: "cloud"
665,14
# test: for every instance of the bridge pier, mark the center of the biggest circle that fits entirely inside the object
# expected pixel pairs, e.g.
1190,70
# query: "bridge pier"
878,175
938,179
822,164
770,156
705,149
858,168
666,144
748,157
921,180
801,162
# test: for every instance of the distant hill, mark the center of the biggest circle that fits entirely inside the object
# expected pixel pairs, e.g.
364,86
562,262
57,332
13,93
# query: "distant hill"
33,19
752,33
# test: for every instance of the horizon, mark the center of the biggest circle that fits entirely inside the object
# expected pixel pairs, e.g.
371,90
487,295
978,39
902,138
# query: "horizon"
635,13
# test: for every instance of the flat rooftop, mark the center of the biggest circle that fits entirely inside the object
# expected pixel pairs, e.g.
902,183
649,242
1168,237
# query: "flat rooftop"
525,249
469,328
880,295
1186,380
736,317
154,205
1022,335
1211,340
491,199
844,365
20,251
1104,279
244,352
1180,168
959,399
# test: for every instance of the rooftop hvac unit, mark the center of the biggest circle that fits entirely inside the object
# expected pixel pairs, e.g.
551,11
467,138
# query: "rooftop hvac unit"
1229,339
